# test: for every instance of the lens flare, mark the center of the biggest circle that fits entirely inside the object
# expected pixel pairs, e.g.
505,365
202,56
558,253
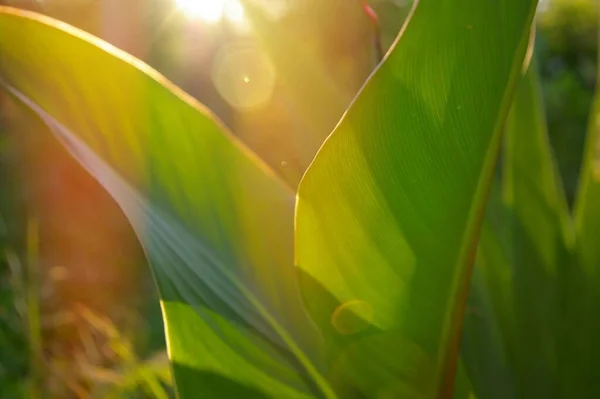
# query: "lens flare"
244,75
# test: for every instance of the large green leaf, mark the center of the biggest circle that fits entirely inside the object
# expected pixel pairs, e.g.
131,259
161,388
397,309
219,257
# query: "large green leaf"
215,223
388,212
585,278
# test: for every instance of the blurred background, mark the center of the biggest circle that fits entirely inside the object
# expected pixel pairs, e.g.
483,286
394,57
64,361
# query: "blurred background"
79,315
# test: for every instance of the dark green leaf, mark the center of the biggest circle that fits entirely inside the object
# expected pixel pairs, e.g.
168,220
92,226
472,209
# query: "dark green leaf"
540,238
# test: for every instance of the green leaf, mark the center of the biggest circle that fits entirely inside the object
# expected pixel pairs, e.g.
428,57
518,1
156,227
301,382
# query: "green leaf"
489,326
586,210
585,277
531,184
520,338
462,386
388,212
217,226
540,239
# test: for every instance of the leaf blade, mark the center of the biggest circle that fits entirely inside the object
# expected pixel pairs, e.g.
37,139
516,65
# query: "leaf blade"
540,237
197,199
399,196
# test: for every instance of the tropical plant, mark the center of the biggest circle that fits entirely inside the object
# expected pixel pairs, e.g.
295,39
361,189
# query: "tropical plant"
387,218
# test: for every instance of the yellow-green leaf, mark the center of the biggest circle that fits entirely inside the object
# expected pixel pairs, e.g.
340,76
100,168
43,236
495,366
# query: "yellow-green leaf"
216,224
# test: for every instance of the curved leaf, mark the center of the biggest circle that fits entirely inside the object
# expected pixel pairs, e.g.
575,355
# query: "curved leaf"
388,212
216,224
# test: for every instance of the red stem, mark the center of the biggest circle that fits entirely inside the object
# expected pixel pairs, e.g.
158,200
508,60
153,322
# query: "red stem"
372,15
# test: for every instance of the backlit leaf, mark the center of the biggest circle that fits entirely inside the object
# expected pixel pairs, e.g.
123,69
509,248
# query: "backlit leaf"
216,224
388,212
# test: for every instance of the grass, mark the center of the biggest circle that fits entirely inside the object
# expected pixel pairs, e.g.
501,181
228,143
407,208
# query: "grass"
14,364
51,352
103,365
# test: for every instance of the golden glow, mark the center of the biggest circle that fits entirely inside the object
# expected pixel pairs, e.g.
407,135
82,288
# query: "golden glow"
213,11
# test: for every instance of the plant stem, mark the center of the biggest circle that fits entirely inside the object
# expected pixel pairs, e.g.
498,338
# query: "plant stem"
368,10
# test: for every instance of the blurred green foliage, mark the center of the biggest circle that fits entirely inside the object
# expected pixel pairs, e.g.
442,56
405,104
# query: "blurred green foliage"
567,53
13,345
